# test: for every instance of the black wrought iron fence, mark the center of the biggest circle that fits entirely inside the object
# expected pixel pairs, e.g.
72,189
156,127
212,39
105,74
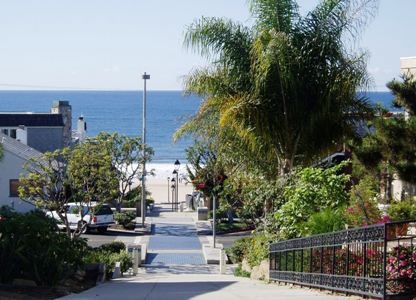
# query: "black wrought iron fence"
377,261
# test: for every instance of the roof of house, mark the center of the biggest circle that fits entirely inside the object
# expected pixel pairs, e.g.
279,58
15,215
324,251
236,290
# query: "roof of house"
31,119
19,149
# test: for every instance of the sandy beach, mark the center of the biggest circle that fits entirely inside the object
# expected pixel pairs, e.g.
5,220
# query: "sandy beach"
159,185
162,193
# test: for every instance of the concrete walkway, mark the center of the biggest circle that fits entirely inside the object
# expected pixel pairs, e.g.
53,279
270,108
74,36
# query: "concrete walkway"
175,269
167,286
174,240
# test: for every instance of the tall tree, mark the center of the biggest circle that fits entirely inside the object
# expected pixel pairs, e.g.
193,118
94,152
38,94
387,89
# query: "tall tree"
287,86
92,174
391,148
48,185
127,158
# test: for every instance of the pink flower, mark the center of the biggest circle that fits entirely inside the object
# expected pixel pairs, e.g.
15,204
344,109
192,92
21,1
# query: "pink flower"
201,186
384,219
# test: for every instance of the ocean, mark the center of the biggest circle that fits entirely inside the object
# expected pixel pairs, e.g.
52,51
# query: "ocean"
121,111
118,111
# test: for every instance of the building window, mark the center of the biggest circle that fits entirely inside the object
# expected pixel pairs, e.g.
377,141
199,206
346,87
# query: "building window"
14,185
13,133
5,131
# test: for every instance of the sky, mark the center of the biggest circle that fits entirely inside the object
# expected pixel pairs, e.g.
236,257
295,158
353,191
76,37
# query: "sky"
108,44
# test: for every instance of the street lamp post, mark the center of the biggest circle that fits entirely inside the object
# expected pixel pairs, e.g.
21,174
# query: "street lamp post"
168,189
213,217
177,165
173,187
143,204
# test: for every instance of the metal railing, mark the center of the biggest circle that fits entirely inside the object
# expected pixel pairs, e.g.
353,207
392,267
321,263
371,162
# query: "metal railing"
377,261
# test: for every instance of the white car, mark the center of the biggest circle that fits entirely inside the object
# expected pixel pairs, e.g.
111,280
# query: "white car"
96,216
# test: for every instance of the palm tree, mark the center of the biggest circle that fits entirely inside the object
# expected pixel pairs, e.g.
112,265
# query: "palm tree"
286,86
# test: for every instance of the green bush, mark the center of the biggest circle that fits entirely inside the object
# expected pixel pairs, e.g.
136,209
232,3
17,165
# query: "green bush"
363,209
102,257
258,249
254,248
124,218
238,250
99,256
125,260
310,191
328,220
31,247
239,272
402,210
114,247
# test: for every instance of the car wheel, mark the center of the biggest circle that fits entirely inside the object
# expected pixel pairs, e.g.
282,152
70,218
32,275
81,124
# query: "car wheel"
102,229
83,226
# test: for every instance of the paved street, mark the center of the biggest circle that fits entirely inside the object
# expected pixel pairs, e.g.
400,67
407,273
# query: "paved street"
228,239
97,239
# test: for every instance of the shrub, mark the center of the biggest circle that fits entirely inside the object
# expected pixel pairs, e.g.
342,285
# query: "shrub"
114,247
254,248
125,260
363,209
237,251
124,218
328,220
109,258
240,272
101,257
32,247
402,210
258,249
310,190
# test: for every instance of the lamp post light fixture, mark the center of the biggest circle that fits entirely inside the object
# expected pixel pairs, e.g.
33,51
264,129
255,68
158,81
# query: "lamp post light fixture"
173,187
143,204
175,173
176,165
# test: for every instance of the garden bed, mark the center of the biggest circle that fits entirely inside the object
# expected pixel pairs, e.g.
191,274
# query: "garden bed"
223,228
39,292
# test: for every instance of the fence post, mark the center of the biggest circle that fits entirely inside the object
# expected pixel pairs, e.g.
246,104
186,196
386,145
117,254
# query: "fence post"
301,261
310,260
348,254
294,260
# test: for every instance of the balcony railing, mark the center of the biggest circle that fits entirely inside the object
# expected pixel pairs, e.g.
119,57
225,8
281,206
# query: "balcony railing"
377,261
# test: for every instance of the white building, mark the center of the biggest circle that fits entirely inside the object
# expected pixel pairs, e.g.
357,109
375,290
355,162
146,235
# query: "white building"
15,155
23,132
408,65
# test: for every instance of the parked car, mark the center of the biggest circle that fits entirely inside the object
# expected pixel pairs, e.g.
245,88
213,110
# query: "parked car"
94,216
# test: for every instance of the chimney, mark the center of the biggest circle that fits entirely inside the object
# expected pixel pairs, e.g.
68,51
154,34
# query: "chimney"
63,108
82,128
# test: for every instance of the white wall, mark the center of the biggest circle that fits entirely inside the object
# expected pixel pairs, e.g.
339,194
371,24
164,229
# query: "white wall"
11,166
408,65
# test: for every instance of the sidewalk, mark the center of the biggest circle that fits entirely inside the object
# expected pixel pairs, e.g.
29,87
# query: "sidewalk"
175,269
173,286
